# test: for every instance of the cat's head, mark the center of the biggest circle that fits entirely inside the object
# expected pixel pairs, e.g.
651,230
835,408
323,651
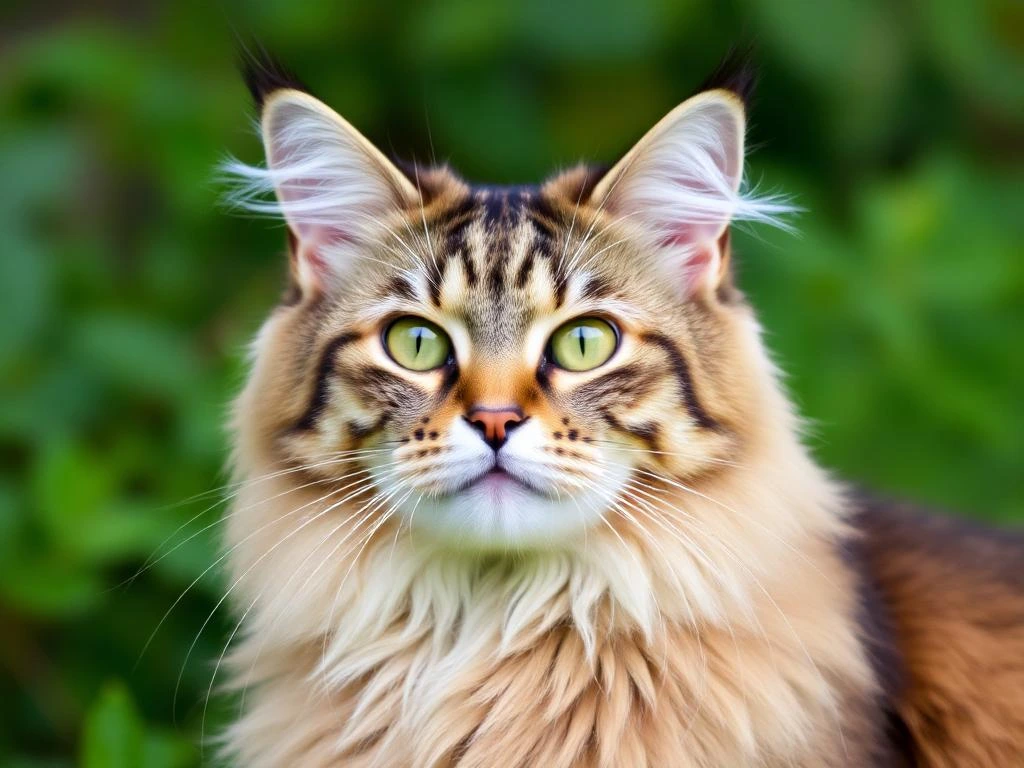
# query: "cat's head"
496,366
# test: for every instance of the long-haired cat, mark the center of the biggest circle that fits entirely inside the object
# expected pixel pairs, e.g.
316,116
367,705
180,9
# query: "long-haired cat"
519,487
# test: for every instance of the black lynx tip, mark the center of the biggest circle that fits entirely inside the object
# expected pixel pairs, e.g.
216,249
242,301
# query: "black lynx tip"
735,73
263,74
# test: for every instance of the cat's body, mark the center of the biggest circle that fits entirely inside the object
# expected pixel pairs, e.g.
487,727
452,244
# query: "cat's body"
947,599
511,559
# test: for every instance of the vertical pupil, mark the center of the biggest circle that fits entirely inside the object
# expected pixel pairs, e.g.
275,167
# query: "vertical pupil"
419,340
581,335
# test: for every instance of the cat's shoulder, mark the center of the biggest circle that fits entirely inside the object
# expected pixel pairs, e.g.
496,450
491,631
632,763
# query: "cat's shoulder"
948,597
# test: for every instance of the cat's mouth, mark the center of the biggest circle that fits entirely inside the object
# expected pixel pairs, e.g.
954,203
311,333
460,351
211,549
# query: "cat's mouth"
497,480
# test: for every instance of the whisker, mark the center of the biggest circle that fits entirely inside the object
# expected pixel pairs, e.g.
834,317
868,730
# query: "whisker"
627,447
423,217
690,546
284,588
150,562
322,513
757,582
572,224
700,694
364,514
228,553
328,459
365,540
746,517
231,589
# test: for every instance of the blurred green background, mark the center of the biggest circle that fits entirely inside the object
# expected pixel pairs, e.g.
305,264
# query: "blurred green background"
127,294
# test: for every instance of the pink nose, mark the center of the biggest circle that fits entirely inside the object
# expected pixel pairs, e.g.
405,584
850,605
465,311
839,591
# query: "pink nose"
494,424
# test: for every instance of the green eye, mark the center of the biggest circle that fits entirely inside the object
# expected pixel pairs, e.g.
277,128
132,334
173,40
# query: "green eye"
417,344
582,344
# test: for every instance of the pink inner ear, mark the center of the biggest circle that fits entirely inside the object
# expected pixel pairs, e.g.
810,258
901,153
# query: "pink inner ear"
320,235
298,194
701,267
310,251
310,254
313,237
698,234
704,225
683,234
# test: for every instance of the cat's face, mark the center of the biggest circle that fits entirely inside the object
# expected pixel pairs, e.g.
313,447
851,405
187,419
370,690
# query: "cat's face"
494,366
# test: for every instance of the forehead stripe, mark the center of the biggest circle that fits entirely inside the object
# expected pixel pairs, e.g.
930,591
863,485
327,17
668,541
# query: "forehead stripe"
435,275
399,286
539,215
496,276
452,224
455,220
523,274
468,267
597,288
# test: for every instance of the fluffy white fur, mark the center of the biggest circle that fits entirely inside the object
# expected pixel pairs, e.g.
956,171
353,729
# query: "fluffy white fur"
549,505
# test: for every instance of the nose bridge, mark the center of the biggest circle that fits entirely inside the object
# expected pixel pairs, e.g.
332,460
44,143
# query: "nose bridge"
493,384
493,398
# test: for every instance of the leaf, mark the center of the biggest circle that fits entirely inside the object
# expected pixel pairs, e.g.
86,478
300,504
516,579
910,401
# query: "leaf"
46,585
137,353
71,486
168,750
113,734
978,45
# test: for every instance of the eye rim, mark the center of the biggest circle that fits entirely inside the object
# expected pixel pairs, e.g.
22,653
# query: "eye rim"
549,352
449,360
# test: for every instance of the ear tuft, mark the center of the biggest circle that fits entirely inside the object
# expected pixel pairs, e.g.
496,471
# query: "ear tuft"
681,186
736,73
264,75
334,189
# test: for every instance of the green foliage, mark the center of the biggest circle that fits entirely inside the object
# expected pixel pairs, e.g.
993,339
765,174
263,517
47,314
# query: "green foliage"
114,736
128,293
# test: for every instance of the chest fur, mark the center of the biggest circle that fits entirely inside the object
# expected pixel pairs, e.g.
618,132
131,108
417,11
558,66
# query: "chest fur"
682,698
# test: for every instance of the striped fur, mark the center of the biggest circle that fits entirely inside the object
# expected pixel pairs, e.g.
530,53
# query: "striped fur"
666,583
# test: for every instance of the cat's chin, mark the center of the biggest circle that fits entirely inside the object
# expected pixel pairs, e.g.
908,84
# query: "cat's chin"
498,510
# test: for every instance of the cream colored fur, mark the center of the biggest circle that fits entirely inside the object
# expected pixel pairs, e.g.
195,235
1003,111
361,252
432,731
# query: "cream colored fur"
722,635
699,622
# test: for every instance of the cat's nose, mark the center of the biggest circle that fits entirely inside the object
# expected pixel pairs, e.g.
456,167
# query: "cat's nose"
495,424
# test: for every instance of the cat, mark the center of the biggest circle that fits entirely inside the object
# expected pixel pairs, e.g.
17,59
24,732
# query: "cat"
518,486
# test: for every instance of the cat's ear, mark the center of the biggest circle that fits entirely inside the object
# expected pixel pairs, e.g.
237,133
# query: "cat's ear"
679,188
334,189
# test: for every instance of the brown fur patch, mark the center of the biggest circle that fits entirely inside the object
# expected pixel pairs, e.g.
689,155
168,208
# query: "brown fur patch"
955,595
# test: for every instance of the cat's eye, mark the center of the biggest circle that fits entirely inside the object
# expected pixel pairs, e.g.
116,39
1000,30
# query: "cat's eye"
417,344
583,344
